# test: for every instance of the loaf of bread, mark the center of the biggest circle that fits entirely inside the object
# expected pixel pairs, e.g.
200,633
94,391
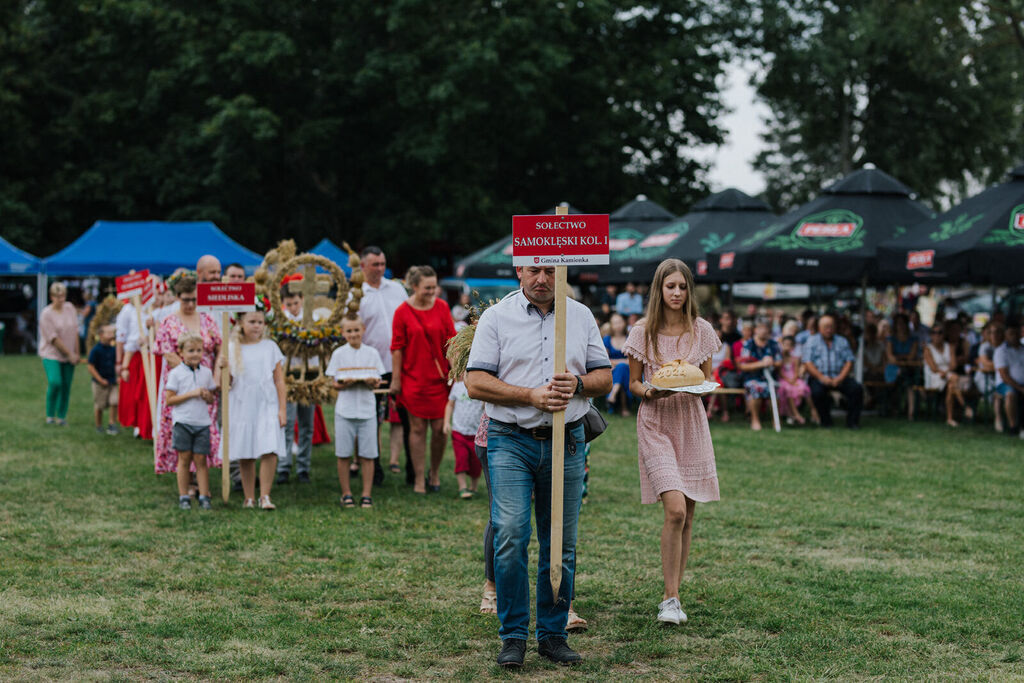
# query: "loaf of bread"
677,373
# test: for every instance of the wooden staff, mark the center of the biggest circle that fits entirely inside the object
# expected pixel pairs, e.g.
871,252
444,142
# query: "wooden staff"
225,387
558,433
147,361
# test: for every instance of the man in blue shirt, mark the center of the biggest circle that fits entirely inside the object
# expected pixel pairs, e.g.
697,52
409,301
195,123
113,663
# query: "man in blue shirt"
829,360
629,302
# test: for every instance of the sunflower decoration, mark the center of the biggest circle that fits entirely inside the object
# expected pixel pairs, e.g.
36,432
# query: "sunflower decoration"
308,340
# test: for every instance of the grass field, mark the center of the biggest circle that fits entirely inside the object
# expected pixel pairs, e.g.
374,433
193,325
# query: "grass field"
894,551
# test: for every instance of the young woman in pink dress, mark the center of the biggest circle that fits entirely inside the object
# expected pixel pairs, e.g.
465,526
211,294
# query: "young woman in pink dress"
677,458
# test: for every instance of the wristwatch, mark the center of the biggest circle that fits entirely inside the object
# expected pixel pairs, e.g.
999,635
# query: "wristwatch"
579,386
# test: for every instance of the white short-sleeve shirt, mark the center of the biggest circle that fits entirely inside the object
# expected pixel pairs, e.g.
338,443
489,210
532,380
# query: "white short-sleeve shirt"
1011,358
466,412
183,379
377,309
356,402
515,343
127,327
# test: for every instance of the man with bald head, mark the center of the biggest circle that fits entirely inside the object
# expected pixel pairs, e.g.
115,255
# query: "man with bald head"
829,361
208,269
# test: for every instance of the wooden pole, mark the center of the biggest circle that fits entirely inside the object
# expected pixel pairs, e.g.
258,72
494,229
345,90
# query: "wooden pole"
225,386
558,433
147,361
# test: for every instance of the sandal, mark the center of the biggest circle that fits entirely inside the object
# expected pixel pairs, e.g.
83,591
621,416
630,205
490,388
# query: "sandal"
249,503
395,469
348,502
575,622
265,503
465,494
366,502
489,602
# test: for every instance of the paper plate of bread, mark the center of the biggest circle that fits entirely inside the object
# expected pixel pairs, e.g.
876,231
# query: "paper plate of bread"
683,377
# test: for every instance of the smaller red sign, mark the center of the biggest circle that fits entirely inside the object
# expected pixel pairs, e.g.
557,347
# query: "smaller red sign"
920,259
702,267
1018,221
226,297
148,290
132,284
827,229
725,261
620,244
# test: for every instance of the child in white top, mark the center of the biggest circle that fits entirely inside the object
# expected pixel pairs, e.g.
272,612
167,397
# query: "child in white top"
189,388
461,418
356,369
256,406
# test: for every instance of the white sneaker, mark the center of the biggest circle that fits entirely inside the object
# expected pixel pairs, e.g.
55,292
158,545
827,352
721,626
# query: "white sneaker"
670,612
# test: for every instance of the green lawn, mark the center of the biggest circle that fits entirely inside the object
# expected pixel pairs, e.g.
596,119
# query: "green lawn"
890,552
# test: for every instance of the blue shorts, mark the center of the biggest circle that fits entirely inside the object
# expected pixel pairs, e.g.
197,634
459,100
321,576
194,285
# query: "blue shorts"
1004,389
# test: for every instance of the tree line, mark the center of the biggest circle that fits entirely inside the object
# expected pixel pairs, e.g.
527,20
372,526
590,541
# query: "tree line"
422,125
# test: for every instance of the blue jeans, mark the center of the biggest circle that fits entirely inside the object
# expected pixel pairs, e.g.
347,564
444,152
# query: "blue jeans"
520,467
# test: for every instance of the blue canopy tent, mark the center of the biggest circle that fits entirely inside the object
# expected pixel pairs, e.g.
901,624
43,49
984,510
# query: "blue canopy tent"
115,247
332,251
14,261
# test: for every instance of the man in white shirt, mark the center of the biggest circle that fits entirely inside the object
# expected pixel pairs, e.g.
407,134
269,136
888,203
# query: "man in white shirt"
381,297
235,272
511,369
1009,362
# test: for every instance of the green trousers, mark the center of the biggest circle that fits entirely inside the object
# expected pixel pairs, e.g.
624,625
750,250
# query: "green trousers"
58,387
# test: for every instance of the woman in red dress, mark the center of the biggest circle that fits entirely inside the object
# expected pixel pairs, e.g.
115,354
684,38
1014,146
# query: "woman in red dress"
420,332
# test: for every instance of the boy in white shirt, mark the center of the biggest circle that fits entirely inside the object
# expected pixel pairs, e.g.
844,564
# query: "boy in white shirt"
189,388
356,369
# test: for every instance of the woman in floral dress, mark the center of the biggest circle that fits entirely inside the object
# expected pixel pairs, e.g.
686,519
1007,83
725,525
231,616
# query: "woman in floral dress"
186,319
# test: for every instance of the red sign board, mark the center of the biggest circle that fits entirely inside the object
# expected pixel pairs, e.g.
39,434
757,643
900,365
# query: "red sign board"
226,297
920,259
702,267
725,261
827,229
560,240
133,284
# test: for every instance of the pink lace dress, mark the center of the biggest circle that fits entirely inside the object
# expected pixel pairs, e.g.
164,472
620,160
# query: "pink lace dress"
165,457
673,439
787,390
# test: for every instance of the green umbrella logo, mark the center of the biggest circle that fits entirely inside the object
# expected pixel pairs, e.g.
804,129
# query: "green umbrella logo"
1013,235
833,230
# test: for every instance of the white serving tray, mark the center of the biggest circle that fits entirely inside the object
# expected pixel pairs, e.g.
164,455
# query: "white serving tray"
705,387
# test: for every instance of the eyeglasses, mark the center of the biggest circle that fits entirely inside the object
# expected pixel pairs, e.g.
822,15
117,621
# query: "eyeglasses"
188,299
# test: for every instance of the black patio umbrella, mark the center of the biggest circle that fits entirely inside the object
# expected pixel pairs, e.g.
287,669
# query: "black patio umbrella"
979,241
831,239
636,230
495,260
715,222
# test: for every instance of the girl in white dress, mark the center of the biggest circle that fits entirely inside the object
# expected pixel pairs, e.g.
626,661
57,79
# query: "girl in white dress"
256,406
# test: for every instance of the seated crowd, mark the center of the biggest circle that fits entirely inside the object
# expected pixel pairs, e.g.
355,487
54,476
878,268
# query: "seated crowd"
952,368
